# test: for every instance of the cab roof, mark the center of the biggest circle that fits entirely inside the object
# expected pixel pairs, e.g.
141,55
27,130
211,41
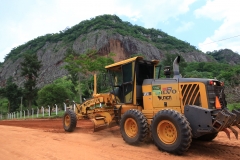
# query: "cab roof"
128,61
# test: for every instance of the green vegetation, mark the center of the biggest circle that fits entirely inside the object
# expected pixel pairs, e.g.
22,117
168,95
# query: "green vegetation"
224,72
55,93
82,68
225,56
4,105
29,69
13,94
234,106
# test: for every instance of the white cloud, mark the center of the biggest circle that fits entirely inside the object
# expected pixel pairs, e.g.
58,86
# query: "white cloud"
227,12
148,12
153,12
185,26
50,16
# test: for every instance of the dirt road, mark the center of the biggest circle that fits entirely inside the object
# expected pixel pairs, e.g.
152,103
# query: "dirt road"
46,140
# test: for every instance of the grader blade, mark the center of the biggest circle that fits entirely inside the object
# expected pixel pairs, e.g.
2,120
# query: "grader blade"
234,131
101,120
227,132
98,123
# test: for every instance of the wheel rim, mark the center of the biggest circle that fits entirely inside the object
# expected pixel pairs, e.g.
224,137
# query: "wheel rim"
131,127
167,132
67,120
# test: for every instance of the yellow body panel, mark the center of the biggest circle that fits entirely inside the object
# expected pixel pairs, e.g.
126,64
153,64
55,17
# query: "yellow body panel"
161,96
173,96
126,107
165,96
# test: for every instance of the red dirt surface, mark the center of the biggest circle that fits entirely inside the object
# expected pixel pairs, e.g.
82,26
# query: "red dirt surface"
45,139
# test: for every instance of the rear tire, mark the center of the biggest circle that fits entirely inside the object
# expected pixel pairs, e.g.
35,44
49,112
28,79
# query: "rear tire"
133,127
208,137
69,120
171,132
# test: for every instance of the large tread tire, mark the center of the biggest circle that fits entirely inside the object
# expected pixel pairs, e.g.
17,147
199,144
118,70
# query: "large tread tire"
134,127
69,120
171,131
208,137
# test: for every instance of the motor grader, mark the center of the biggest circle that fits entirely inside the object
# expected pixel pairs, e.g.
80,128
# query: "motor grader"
172,111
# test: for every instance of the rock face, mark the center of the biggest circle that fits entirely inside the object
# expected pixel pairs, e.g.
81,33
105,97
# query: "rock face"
226,56
52,55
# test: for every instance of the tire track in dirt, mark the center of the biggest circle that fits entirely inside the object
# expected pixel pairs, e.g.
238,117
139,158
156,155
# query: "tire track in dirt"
109,142
216,149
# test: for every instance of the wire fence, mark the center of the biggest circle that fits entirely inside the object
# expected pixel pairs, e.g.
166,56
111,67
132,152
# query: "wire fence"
40,112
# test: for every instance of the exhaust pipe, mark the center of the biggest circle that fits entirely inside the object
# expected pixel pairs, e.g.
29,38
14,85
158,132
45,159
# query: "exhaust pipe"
176,73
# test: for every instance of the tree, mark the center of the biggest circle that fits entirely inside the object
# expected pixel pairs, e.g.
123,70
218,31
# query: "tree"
66,83
82,67
55,93
29,69
13,93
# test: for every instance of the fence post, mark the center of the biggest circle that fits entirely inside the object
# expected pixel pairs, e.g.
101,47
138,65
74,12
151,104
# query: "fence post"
32,112
74,106
49,110
37,111
43,110
56,109
64,104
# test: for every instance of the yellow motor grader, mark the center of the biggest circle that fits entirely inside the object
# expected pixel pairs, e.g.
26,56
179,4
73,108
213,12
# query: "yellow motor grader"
172,110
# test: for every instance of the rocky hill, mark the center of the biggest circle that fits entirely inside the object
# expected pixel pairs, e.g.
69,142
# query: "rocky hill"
225,56
105,34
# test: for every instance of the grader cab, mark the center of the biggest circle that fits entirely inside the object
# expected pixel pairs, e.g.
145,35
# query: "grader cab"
172,110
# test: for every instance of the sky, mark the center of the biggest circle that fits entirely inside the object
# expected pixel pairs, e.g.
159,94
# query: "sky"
206,24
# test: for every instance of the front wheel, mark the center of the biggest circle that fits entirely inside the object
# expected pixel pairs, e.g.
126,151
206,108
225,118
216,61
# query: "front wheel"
69,120
171,131
133,126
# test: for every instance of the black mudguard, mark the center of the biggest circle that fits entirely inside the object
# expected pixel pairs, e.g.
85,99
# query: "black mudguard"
200,119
